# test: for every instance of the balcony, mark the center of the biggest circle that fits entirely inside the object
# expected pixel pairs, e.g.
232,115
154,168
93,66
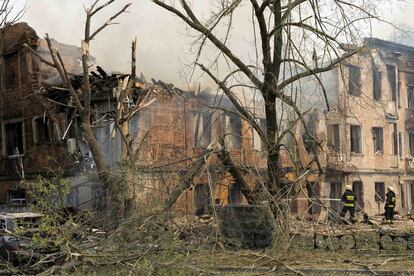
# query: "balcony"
337,161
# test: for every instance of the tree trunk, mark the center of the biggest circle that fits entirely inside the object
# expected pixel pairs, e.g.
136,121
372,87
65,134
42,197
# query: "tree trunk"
273,155
110,182
186,182
224,157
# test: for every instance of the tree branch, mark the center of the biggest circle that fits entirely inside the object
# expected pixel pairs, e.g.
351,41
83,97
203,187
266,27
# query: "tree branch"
310,72
196,25
236,103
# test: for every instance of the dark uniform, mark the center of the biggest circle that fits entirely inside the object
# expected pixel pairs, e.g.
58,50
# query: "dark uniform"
349,200
389,206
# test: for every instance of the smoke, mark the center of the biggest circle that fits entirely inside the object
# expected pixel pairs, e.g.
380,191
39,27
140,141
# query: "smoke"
163,42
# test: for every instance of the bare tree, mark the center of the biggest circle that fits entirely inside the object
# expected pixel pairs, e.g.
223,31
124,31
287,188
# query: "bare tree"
292,40
8,13
82,101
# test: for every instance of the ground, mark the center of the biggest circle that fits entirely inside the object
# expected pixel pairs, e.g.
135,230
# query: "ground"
193,253
311,262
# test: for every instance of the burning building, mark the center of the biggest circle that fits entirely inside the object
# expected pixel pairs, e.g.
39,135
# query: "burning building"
367,134
41,132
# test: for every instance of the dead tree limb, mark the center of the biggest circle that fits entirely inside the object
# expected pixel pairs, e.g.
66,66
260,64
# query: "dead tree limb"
224,157
186,181
82,99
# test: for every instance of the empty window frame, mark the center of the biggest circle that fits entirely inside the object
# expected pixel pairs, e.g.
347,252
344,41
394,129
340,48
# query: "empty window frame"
334,137
235,194
378,137
391,74
232,133
258,144
355,132
13,139
41,130
354,80
411,143
335,193
410,96
411,186
358,189
379,191
202,129
202,199
400,144
395,140
376,78
11,77
24,70
17,196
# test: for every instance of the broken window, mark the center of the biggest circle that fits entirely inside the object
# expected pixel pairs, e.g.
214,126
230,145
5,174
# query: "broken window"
202,199
24,72
257,141
12,70
392,81
335,194
358,189
411,194
376,77
411,142
354,80
232,131
13,139
17,196
395,140
400,145
333,136
41,130
379,191
355,138
202,129
235,194
378,136
410,96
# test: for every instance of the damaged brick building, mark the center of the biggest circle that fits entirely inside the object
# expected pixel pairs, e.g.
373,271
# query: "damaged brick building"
368,133
41,132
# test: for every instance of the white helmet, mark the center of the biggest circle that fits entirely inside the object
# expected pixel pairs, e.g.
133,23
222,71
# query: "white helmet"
348,187
390,188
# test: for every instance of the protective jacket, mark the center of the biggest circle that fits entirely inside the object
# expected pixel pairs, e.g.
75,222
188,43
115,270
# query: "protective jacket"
349,199
391,200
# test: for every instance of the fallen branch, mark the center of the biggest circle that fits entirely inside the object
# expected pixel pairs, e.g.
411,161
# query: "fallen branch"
224,157
186,181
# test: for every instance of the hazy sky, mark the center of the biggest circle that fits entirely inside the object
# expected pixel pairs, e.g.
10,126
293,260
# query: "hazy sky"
162,42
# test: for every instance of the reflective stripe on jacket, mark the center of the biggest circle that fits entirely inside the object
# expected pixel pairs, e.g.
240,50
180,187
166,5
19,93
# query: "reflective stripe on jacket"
349,199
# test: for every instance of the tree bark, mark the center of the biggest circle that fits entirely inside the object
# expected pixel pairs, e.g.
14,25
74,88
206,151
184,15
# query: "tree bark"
185,182
224,157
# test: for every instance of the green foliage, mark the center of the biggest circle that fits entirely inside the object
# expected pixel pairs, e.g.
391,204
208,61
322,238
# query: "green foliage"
49,197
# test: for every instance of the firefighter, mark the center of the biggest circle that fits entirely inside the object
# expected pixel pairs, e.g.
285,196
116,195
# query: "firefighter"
349,200
390,205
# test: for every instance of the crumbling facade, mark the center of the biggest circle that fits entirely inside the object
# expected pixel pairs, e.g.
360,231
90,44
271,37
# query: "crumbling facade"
368,133
41,133
26,129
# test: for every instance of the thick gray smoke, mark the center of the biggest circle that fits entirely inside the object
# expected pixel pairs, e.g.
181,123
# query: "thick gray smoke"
162,40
